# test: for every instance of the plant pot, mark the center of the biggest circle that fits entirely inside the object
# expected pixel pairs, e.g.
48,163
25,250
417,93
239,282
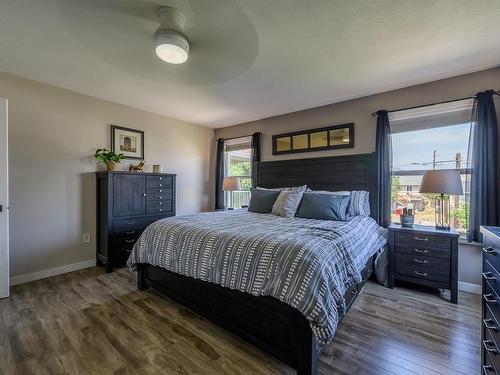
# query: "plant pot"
111,166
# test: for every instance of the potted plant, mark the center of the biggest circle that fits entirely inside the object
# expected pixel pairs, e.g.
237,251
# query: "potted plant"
109,158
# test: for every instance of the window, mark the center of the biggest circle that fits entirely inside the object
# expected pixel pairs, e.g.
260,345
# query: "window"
433,137
238,163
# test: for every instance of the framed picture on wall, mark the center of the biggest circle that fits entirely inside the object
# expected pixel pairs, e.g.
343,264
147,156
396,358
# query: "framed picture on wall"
129,142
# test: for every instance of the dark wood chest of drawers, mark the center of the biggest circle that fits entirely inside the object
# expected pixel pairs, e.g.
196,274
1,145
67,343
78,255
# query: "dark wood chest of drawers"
491,301
127,202
425,256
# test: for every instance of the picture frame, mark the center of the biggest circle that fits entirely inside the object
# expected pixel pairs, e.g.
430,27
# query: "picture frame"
127,141
319,139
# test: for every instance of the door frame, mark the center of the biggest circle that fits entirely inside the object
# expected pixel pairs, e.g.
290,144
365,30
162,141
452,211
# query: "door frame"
4,199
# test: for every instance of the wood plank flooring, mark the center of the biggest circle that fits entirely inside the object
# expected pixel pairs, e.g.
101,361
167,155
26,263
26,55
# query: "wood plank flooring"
90,322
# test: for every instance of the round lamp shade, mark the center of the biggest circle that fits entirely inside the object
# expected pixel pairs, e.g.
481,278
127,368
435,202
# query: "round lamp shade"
171,46
231,184
442,181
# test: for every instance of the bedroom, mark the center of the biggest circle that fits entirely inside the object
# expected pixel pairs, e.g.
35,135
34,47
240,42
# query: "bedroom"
386,97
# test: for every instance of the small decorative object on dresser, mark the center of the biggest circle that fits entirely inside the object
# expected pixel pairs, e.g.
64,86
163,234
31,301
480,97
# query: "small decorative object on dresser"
157,168
425,256
127,203
137,168
109,158
490,348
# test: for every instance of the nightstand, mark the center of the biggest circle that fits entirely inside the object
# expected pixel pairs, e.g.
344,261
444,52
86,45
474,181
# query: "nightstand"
425,256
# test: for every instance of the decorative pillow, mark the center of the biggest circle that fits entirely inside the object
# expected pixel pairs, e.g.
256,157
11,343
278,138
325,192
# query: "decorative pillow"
342,192
262,200
321,206
360,203
287,202
290,188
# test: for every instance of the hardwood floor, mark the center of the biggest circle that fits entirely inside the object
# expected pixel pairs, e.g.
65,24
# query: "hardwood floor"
90,322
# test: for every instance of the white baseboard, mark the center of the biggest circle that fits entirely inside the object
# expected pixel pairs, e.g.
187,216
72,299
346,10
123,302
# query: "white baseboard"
468,287
26,278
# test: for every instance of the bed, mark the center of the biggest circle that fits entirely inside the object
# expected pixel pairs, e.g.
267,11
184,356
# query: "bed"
282,284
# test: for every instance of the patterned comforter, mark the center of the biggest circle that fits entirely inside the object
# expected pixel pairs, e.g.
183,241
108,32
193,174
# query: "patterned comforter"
305,263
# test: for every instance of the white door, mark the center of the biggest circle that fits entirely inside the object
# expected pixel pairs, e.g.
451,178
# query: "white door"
4,200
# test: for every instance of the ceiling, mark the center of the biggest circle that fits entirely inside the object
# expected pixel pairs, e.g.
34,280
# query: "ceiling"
250,59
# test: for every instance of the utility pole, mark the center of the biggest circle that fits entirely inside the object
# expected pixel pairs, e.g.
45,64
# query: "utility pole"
434,157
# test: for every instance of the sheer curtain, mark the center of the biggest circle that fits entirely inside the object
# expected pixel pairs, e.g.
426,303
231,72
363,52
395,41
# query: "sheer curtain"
483,161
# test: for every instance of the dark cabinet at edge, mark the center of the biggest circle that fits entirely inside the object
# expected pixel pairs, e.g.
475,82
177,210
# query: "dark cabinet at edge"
127,202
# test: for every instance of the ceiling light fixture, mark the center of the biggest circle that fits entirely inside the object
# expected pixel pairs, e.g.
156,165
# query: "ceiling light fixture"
171,45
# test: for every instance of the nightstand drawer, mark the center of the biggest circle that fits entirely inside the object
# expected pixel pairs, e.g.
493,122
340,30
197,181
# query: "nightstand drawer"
427,241
421,250
426,268
491,252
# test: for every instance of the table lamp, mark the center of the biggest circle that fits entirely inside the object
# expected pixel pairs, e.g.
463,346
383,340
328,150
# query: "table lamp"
443,182
231,184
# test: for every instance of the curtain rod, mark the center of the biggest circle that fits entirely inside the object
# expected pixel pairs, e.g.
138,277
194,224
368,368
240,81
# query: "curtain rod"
240,136
374,114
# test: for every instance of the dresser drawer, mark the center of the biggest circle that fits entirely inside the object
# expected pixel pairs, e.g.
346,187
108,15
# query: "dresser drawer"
426,268
421,240
491,351
157,207
124,225
159,181
124,244
491,252
421,250
154,194
488,367
490,323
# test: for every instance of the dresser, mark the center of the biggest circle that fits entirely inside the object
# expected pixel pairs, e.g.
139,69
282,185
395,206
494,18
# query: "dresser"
490,348
425,256
127,202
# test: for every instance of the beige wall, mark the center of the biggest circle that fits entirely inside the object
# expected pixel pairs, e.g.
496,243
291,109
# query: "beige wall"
52,136
359,111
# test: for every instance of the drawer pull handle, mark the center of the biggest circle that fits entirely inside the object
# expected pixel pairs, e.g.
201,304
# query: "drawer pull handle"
160,203
159,197
421,251
130,240
144,194
161,178
160,209
160,185
489,250
488,326
421,239
487,369
421,261
488,298
486,344
159,191
130,232
130,222
487,276
420,273
128,251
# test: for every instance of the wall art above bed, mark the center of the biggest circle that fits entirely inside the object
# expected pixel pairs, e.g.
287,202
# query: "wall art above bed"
327,138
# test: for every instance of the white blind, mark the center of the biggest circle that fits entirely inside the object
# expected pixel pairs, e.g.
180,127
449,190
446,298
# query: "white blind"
236,144
431,116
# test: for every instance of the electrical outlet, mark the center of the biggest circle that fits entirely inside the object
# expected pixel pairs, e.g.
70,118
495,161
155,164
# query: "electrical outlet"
86,237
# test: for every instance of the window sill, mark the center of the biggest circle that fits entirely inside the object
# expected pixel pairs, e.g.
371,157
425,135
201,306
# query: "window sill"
463,241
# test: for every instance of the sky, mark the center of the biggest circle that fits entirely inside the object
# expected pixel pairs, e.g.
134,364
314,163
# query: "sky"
418,147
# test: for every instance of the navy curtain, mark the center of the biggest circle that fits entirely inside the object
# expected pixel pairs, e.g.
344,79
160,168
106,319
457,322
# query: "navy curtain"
219,175
484,202
384,162
255,156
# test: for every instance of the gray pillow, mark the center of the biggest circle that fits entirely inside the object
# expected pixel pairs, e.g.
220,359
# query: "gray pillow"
287,202
324,206
360,203
262,200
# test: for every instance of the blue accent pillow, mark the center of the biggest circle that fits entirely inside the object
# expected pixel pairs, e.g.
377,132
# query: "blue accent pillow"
324,206
262,200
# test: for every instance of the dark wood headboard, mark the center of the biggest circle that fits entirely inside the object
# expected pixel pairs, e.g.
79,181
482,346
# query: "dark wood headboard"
348,172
